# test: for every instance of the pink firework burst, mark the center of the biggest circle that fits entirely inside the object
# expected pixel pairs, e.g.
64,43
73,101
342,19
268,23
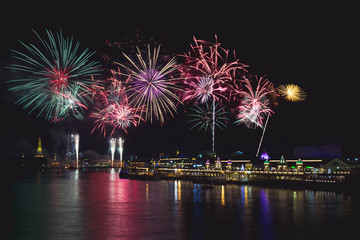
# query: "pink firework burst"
115,93
101,119
207,71
115,110
255,104
116,117
123,117
208,75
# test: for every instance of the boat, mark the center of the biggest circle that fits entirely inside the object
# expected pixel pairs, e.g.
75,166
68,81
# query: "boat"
124,173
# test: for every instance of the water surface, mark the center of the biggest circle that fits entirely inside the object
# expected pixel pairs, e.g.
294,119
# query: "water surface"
96,204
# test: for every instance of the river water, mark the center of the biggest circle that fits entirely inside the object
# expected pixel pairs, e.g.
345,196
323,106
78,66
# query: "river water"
96,204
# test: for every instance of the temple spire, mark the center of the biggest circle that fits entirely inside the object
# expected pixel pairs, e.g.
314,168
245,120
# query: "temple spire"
39,152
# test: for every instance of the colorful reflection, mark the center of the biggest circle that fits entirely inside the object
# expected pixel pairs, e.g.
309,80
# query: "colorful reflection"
89,204
266,220
177,190
222,195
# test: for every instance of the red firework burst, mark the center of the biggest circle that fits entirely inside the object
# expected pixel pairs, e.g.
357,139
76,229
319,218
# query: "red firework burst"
255,103
208,72
115,110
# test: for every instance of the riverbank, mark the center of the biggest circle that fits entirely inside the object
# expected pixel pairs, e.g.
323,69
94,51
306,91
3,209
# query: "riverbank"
350,186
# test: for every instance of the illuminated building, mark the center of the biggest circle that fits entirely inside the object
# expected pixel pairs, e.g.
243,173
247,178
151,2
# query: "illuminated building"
54,162
266,166
299,165
175,162
39,153
207,164
282,166
229,165
307,165
218,163
333,166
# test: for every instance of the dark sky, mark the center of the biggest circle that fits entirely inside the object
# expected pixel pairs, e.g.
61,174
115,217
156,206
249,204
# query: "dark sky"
312,45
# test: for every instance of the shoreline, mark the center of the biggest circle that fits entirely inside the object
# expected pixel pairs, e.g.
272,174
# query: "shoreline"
350,186
347,187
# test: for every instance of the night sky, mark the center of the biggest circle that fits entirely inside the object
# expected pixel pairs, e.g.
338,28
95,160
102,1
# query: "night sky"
313,46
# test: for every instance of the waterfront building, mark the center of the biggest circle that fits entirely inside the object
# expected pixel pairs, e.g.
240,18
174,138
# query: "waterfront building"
319,165
239,164
266,166
353,163
218,164
333,165
307,170
54,162
177,162
282,165
229,165
299,165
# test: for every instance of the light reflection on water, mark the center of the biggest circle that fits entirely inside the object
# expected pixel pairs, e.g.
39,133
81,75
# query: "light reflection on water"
96,204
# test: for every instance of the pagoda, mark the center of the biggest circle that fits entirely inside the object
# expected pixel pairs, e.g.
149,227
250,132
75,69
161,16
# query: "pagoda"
39,153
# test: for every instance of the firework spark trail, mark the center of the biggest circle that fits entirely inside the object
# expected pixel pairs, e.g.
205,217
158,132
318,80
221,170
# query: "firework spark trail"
262,135
112,150
255,104
213,125
152,84
121,149
208,75
58,78
76,140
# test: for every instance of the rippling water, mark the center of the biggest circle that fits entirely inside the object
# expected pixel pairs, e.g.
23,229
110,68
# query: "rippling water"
96,204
